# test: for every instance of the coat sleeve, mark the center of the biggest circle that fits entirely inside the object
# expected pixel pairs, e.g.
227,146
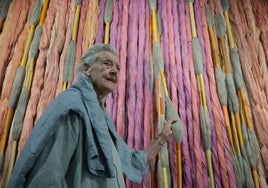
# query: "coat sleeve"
133,161
51,166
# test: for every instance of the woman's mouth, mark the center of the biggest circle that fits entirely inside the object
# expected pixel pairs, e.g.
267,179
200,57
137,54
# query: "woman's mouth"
111,80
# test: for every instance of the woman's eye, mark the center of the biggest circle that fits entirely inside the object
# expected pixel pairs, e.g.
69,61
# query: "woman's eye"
107,64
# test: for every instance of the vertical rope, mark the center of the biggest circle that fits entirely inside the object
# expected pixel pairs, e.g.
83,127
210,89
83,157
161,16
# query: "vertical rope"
114,33
70,56
131,93
204,115
122,82
252,147
181,96
218,159
100,30
108,16
16,22
166,33
4,6
221,89
184,90
147,93
79,37
91,27
19,78
38,77
24,96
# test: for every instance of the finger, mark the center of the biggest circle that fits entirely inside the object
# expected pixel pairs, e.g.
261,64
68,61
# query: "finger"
173,120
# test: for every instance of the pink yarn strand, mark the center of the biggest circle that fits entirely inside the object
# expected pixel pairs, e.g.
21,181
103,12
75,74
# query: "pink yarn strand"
132,72
139,81
79,51
100,32
214,144
146,91
120,122
111,99
53,56
164,38
185,92
38,77
173,85
198,150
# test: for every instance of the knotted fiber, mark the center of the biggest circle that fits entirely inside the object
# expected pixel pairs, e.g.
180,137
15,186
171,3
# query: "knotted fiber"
38,77
15,21
121,84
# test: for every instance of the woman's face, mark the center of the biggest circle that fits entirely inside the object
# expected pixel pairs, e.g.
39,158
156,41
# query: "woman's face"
104,73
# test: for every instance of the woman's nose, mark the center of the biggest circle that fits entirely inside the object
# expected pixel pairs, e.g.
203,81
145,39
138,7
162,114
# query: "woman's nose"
114,69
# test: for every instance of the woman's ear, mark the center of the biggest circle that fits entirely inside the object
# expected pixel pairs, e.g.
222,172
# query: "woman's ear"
86,69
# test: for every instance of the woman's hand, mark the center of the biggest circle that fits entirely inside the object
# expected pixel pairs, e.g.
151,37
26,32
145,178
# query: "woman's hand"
156,144
166,132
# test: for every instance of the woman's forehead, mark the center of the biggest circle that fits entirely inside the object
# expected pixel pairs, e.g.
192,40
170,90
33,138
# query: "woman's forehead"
108,55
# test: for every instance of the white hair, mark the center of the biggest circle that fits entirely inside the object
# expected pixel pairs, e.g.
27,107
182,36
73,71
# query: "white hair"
91,56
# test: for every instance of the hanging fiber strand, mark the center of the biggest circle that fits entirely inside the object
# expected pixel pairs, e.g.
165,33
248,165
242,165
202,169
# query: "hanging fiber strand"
222,93
11,72
146,90
163,26
218,156
79,39
57,50
233,103
120,122
178,179
38,77
184,91
19,78
131,94
100,28
218,159
259,20
4,6
162,161
170,111
16,22
24,96
114,37
249,136
252,74
108,16
63,55
251,145
197,154
159,94
153,114
140,100
70,56
91,25
204,115
166,33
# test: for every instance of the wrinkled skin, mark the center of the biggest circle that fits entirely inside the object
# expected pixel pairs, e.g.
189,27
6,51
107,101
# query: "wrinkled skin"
104,73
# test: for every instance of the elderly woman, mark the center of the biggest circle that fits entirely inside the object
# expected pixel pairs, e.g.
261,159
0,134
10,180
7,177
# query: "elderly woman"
74,143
